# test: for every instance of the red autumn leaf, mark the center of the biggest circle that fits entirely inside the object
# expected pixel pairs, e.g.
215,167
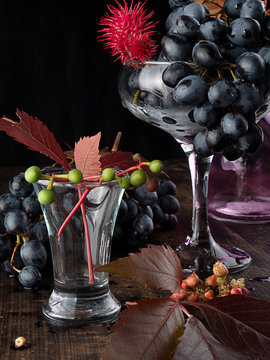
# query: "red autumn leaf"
33,133
86,155
118,159
198,343
155,265
147,330
237,322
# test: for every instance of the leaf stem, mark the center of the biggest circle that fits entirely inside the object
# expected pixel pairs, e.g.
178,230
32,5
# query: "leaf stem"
117,141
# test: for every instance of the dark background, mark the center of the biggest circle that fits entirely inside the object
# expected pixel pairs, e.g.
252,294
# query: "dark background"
53,68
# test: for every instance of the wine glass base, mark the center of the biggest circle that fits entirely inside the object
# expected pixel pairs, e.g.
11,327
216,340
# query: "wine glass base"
256,211
201,260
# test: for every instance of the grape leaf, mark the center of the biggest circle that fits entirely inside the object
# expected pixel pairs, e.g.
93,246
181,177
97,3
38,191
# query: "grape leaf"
33,133
147,330
198,343
86,155
155,265
237,322
117,159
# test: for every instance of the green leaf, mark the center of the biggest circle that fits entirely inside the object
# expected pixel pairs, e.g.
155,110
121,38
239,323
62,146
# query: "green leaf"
147,330
157,266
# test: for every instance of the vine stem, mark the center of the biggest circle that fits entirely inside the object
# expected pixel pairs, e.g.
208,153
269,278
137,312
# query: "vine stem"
18,242
184,310
76,207
88,243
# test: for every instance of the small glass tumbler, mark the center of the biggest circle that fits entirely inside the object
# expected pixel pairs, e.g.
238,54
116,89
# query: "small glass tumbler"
239,190
74,300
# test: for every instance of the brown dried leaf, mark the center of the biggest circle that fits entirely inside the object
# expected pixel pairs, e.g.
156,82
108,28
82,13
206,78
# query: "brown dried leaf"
147,330
155,265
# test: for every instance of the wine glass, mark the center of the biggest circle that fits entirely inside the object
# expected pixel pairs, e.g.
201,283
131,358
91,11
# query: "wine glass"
146,96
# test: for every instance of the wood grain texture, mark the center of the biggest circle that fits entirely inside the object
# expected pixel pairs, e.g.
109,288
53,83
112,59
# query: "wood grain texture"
20,310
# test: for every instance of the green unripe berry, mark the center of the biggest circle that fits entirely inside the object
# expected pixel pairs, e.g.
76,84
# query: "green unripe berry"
32,174
46,197
75,176
124,182
108,174
138,178
155,166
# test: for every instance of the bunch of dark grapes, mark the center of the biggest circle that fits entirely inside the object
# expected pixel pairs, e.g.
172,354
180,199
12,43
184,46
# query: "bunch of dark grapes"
24,246
151,205
220,61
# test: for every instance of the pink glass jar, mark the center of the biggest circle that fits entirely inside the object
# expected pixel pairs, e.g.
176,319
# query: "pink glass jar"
239,191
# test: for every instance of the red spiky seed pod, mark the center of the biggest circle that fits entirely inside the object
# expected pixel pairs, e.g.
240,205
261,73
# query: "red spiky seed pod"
127,32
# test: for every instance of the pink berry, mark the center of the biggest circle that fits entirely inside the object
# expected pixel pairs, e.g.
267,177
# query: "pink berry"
220,269
236,291
209,294
192,280
245,292
211,281
184,285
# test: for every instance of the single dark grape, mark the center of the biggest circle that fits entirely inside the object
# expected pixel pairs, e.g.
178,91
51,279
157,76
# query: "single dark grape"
169,204
144,196
31,206
233,7
252,140
175,47
170,23
18,186
33,253
264,52
9,202
232,52
253,9
248,99
39,231
206,115
158,213
206,54
244,31
187,26
222,93
152,184
200,146
250,66
234,124
216,140
147,210
16,221
169,221
213,29
143,224
192,90
167,187
232,152
29,277
196,10
132,209
176,72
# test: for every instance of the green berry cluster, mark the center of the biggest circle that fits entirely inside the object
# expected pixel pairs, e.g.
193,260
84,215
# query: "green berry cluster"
137,178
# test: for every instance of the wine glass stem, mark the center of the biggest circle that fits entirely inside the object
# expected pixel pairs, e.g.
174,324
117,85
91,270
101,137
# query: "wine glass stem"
199,171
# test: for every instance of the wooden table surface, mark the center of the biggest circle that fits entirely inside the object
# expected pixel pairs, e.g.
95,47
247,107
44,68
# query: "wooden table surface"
20,310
